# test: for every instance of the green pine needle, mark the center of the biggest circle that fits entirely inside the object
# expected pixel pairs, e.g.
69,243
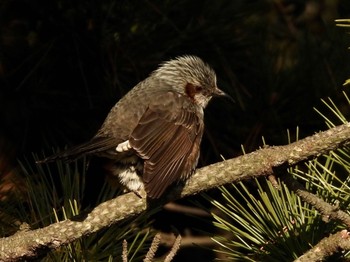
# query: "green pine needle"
264,223
55,192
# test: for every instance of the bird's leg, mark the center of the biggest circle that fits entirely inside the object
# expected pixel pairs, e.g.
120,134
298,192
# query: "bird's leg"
141,193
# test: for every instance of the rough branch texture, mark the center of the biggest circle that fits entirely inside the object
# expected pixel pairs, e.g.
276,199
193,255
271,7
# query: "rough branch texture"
328,211
26,244
326,247
263,161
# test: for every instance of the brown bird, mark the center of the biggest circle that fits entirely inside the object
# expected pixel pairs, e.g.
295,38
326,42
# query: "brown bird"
153,134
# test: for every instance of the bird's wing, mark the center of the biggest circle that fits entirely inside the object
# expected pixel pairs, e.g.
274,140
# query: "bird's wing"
93,146
167,137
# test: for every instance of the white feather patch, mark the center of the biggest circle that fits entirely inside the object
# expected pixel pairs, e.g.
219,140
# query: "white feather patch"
123,147
131,180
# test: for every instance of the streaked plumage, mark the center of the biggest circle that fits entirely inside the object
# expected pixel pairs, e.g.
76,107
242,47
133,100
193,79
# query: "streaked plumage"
154,131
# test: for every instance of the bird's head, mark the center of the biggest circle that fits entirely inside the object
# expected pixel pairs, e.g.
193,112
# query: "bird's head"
190,76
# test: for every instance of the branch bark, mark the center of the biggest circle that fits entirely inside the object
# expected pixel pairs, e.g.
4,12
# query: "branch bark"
326,247
328,211
29,243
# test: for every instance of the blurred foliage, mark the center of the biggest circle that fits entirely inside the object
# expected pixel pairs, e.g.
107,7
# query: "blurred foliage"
64,64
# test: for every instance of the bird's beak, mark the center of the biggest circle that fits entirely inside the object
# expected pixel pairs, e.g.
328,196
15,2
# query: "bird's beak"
219,92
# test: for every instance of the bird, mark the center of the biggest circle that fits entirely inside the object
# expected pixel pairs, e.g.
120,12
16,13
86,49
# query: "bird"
152,135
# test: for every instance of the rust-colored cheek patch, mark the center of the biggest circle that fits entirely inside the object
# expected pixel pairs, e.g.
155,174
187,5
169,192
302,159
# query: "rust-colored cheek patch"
191,90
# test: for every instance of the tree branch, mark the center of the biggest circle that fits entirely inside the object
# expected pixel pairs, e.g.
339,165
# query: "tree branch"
326,247
328,211
27,244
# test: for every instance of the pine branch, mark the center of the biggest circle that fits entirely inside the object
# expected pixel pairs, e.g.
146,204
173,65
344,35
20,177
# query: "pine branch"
28,244
328,211
327,247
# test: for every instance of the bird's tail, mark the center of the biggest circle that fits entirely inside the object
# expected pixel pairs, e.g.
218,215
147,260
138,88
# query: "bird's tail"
94,146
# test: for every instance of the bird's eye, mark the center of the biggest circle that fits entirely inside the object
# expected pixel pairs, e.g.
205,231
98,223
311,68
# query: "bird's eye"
191,90
199,88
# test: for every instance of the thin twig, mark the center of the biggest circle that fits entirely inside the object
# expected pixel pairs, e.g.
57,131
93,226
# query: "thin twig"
188,210
328,211
125,251
153,248
174,249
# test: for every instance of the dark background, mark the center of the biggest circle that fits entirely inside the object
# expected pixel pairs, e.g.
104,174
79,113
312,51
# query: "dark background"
64,64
